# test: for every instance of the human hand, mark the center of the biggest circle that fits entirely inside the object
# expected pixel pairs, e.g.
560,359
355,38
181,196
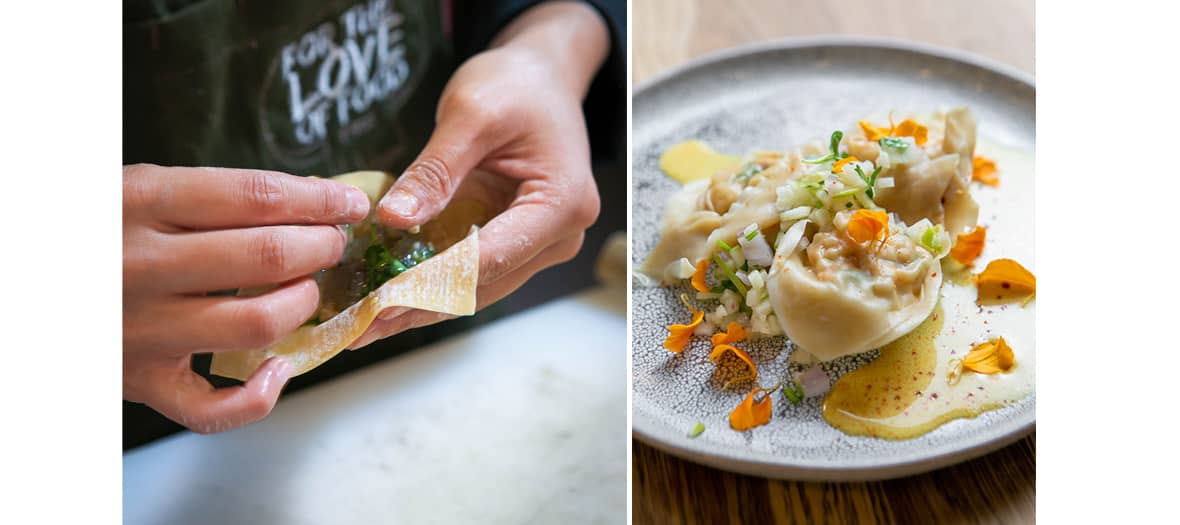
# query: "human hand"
510,132
189,231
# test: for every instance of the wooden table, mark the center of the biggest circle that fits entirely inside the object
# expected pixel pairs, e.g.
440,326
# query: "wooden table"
997,488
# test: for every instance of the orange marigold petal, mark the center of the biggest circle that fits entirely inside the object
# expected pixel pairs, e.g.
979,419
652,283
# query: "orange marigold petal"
734,333
698,276
720,350
909,128
843,162
984,170
868,225
968,246
872,132
751,413
1005,278
991,357
678,334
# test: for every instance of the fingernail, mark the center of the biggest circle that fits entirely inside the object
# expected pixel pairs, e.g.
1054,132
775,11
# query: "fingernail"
283,368
401,203
344,234
358,204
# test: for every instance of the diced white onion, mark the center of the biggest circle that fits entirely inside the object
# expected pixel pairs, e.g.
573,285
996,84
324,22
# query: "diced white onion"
742,277
795,214
679,270
758,279
791,239
756,250
884,182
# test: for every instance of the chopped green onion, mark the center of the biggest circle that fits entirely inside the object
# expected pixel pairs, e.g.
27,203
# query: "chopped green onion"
747,173
792,392
697,430
834,146
729,274
870,181
931,240
750,236
723,246
845,193
893,143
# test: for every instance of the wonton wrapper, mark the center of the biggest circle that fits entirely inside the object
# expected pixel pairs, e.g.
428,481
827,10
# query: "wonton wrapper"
444,283
685,230
828,320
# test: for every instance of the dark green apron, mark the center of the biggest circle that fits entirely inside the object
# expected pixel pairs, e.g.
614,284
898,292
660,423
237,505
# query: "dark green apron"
317,87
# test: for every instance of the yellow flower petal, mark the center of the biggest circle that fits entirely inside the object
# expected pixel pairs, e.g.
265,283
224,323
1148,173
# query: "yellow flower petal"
734,333
842,162
1004,279
720,350
872,132
991,357
984,170
698,276
868,225
678,334
909,128
751,413
968,246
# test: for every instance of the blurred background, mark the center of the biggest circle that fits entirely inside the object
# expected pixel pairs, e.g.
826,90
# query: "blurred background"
997,488
668,32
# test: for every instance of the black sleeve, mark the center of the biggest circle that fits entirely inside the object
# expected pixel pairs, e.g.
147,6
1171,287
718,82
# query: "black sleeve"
477,22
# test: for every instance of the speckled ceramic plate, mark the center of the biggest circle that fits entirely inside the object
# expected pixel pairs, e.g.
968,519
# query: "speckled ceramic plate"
773,96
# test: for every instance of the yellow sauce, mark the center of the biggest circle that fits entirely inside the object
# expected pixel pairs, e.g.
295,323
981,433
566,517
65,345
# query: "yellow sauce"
694,160
904,393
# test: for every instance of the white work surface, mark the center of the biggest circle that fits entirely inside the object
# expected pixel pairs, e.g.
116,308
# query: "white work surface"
520,421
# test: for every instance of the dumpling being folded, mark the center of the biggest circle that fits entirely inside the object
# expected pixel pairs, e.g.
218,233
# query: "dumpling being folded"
839,297
379,270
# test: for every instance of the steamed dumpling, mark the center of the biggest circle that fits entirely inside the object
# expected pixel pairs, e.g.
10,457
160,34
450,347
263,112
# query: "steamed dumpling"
685,230
962,212
932,183
839,297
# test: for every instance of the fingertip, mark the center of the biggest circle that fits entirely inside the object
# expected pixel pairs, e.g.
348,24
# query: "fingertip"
399,208
358,205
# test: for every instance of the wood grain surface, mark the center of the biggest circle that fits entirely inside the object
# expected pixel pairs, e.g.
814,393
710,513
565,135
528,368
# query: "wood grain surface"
997,488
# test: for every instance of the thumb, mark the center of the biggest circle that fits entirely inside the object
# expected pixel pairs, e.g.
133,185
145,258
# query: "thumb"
425,188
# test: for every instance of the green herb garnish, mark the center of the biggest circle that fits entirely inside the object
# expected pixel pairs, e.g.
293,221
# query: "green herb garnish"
729,274
748,172
845,193
930,239
869,180
793,392
834,146
697,430
893,143
750,236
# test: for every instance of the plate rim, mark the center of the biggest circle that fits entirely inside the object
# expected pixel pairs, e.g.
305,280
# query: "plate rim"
847,473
